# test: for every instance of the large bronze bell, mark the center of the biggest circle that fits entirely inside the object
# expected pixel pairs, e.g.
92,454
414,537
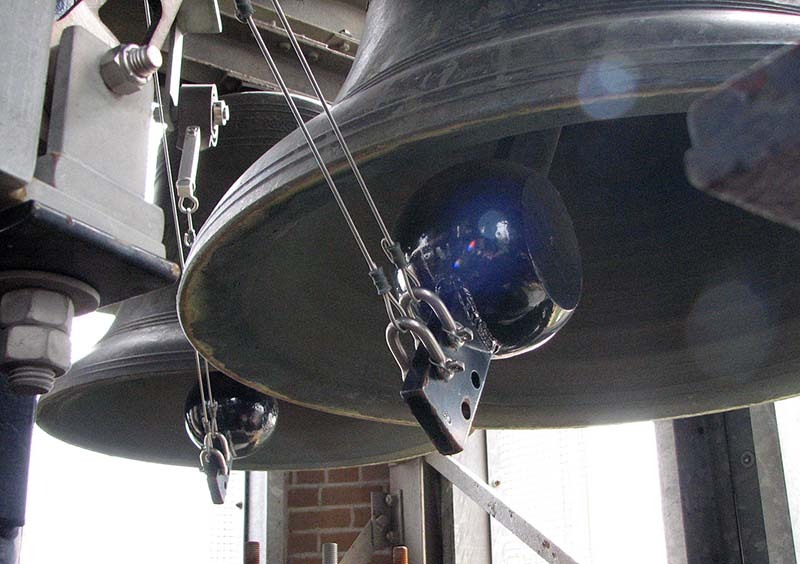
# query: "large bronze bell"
688,305
128,396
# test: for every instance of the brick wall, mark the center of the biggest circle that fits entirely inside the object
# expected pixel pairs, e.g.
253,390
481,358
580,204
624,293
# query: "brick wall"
330,506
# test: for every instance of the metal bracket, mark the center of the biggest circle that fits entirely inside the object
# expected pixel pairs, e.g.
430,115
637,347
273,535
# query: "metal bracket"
385,529
387,520
446,408
200,107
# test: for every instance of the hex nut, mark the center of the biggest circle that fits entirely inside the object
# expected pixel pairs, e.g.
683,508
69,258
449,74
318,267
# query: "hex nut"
34,306
35,345
116,73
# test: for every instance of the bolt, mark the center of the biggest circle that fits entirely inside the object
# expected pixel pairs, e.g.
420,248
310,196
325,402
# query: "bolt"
388,500
330,553
747,459
34,338
392,537
220,113
495,483
144,61
126,68
31,380
345,32
252,552
285,46
313,56
400,555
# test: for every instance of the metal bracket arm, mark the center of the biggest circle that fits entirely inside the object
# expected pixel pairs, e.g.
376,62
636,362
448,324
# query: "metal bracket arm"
480,493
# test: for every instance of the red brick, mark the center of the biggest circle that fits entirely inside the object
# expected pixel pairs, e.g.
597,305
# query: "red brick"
348,495
288,477
303,542
361,516
319,519
375,473
343,475
309,477
303,497
344,540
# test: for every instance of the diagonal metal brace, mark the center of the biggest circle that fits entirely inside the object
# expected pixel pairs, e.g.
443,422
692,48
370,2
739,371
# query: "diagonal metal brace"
480,493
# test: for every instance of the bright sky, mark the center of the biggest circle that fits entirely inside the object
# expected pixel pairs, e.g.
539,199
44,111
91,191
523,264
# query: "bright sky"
88,508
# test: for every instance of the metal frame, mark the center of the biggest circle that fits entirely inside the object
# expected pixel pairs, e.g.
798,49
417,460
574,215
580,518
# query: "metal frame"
723,489
723,496
256,517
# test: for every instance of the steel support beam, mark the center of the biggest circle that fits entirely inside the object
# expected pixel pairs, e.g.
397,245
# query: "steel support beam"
419,486
466,528
277,521
256,517
235,53
480,493
723,490
25,44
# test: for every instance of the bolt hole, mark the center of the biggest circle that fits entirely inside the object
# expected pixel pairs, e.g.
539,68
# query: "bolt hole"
466,410
476,380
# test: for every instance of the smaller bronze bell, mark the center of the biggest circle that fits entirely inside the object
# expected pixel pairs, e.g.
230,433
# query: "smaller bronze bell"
127,398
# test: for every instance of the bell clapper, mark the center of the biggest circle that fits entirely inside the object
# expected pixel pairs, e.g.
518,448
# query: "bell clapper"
439,355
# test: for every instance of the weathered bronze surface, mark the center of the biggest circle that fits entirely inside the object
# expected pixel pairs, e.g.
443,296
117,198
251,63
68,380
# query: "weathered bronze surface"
689,305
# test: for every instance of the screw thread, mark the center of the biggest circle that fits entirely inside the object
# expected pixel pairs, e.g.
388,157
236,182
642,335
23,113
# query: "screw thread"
252,552
399,555
330,553
31,380
144,61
